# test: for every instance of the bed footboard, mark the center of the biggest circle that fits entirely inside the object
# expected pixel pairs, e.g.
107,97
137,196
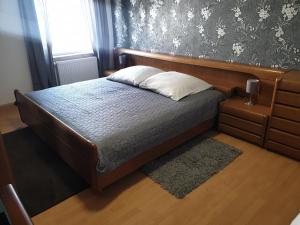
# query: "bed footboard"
78,152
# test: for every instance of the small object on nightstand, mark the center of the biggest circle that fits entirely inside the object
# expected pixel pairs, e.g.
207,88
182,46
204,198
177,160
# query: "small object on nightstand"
244,121
252,89
122,61
109,72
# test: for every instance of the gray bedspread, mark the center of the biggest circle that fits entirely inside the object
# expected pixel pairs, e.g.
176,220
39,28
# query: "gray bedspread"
123,121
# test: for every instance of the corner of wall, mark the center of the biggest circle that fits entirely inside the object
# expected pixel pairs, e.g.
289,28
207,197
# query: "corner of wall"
14,68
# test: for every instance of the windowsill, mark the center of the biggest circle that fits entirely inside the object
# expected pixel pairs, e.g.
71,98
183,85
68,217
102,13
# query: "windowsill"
72,56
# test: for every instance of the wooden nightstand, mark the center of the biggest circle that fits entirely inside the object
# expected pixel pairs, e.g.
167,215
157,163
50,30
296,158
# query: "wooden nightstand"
243,121
109,72
283,133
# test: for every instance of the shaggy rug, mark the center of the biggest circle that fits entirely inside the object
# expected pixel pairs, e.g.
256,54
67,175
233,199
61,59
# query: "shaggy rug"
189,165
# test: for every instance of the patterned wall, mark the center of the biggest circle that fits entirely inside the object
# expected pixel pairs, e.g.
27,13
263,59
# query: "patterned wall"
259,32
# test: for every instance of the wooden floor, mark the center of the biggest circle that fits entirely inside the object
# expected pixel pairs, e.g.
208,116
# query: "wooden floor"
9,119
258,188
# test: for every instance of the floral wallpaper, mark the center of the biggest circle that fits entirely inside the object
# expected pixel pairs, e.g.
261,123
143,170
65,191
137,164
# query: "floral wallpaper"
259,32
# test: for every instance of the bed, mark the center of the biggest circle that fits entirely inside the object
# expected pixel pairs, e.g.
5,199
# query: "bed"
112,128
123,120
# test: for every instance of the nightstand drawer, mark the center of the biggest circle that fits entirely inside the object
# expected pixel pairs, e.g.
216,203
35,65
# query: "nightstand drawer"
283,149
289,85
285,125
288,98
284,138
242,124
241,134
244,114
287,112
247,122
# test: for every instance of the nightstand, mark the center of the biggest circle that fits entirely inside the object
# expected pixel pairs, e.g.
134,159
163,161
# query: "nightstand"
283,133
244,121
109,72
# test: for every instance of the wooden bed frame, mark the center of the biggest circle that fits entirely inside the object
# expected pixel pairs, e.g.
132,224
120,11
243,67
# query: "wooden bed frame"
81,154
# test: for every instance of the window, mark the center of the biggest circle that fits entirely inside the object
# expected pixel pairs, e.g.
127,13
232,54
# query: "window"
68,26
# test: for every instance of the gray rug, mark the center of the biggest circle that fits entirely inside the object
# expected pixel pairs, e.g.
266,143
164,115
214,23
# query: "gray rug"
189,165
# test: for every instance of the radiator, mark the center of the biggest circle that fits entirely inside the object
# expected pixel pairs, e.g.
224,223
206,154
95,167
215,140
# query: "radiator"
74,70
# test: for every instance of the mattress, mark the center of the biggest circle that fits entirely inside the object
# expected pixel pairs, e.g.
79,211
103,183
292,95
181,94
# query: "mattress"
122,120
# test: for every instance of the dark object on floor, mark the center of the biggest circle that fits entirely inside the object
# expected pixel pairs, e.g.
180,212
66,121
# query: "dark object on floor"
3,219
42,178
189,165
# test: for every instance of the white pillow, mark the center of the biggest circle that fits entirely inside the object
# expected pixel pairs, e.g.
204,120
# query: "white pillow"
175,85
296,221
134,75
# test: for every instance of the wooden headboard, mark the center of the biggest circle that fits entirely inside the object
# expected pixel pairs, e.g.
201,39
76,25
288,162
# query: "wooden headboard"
225,76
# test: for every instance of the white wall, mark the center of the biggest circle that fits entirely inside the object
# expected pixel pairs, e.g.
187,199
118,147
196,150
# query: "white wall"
14,68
